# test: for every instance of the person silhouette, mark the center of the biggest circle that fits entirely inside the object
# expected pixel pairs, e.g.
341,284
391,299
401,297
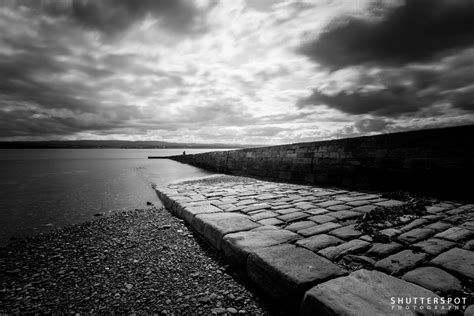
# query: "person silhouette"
184,153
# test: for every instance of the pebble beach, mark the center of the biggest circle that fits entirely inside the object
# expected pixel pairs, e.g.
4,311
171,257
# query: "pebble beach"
140,261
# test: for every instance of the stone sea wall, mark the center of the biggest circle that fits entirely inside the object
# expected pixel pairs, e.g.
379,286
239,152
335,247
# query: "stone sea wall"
436,162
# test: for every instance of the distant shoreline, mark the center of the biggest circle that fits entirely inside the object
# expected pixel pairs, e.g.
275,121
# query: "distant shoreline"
92,144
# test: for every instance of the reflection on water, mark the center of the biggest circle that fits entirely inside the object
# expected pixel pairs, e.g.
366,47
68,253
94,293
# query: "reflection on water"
42,189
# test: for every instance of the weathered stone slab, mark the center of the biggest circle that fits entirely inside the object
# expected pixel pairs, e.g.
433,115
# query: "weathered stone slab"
188,213
255,207
339,207
383,250
317,211
292,217
433,279
321,219
364,208
434,246
389,203
263,215
457,260
468,225
237,246
415,224
439,226
434,209
455,234
300,225
415,235
390,232
318,229
469,245
401,261
271,221
215,225
285,272
342,215
318,242
304,205
329,203
363,293
287,210
346,232
358,203
337,252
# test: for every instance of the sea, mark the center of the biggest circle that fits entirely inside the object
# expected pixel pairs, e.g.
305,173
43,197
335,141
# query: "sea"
46,189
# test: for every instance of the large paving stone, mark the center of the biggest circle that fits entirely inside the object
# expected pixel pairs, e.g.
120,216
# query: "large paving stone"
434,246
364,208
263,215
318,229
329,203
358,203
321,219
287,210
401,261
383,250
415,235
255,207
455,234
343,215
317,211
215,225
457,260
293,217
270,221
415,224
336,252
318,242
389,203
188,213
285,272
364,293
237,246
433,279
346,232
300,225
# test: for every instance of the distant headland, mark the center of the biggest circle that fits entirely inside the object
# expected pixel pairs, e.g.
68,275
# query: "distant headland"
114,144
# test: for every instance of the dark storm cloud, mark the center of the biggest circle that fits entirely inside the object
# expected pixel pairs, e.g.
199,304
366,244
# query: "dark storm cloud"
388,102
417,30
53,75
114,16
409,58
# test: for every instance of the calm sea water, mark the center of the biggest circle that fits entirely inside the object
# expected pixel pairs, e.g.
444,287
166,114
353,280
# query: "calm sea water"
43,189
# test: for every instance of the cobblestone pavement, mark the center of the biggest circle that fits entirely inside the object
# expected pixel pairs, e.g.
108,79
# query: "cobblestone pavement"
336,251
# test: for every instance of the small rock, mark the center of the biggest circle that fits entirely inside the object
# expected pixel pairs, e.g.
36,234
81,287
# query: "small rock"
213,296
232,310
218,310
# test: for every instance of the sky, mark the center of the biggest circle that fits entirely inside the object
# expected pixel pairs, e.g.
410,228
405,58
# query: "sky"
233,71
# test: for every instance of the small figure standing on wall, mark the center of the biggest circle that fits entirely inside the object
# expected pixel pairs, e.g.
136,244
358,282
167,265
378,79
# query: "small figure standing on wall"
184,153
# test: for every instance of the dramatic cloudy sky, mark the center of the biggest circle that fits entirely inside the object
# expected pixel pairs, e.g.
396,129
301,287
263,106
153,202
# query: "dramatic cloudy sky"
233,71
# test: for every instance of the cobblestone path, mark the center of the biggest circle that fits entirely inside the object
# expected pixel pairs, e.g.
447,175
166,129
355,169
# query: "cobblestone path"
335,251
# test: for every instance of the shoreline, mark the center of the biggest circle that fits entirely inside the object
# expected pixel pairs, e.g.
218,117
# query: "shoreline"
134,261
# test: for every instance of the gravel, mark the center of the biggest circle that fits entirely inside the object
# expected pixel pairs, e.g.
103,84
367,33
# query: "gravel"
143,261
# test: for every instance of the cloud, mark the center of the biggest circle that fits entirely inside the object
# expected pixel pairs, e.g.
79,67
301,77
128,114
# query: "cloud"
371,125
115,16
412,31
212,71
